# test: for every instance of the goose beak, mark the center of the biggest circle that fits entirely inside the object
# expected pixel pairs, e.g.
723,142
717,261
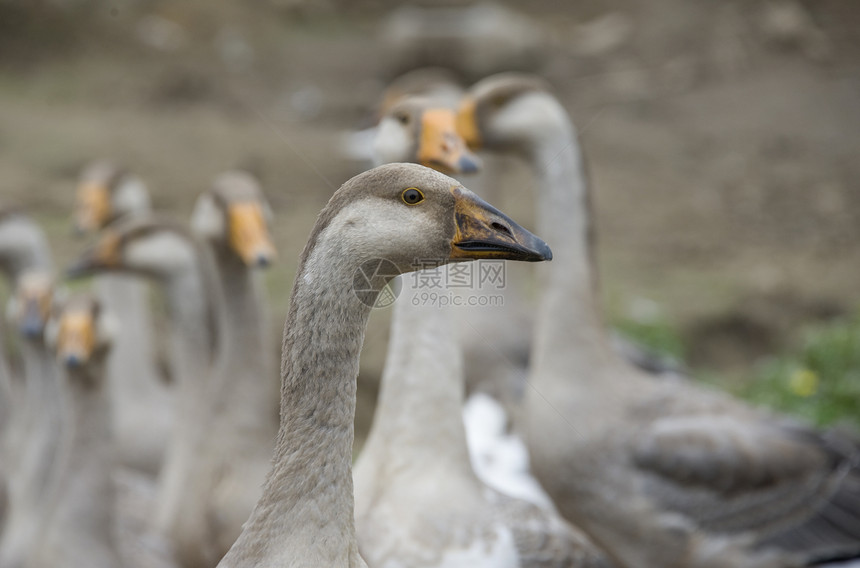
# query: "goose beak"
467,123
482,231
92,207
441,147
249,235
103,255
76,339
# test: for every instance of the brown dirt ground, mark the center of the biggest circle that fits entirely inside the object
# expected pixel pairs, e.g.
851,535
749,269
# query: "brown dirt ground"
724,155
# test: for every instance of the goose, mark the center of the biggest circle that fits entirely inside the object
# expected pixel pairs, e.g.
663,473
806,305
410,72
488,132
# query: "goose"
395,213
233,217
78,525
23,248
40,419
143,404
658,473
418,502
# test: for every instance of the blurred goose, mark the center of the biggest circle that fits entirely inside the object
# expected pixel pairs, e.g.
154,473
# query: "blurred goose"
78,526
39,419
233,217
658,473
396,212
168,254
417,501
142,403
23,248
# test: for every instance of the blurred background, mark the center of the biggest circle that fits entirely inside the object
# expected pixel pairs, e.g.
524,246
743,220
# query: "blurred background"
722,136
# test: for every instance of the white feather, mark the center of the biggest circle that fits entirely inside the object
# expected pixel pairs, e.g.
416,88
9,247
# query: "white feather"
500,458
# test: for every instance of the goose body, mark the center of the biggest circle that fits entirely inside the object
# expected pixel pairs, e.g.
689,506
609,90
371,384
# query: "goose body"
143,404
659,473
397,212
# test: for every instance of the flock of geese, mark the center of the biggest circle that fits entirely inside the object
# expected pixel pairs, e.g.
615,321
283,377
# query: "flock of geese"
106,463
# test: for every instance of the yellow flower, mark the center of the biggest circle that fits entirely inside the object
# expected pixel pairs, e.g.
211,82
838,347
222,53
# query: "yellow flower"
803,382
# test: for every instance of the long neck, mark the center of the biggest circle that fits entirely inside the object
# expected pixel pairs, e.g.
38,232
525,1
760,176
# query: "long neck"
84,501
570,333
6,388
249,381
305,515
191,320
44,404
131,360
191,358
44,410
40,376
418,421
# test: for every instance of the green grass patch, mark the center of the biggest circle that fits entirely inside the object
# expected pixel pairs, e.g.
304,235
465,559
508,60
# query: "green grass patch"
820,382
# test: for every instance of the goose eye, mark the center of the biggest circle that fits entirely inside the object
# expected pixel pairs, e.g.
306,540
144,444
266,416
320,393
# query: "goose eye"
498,101
412,196
403,118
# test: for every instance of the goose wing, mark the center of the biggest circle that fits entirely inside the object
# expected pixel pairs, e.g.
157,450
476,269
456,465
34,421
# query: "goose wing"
791,486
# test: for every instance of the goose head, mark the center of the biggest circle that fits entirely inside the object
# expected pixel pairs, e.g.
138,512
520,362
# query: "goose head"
511,112
31,303
80,332
234,217
409,214
105,193
415,129
143,245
